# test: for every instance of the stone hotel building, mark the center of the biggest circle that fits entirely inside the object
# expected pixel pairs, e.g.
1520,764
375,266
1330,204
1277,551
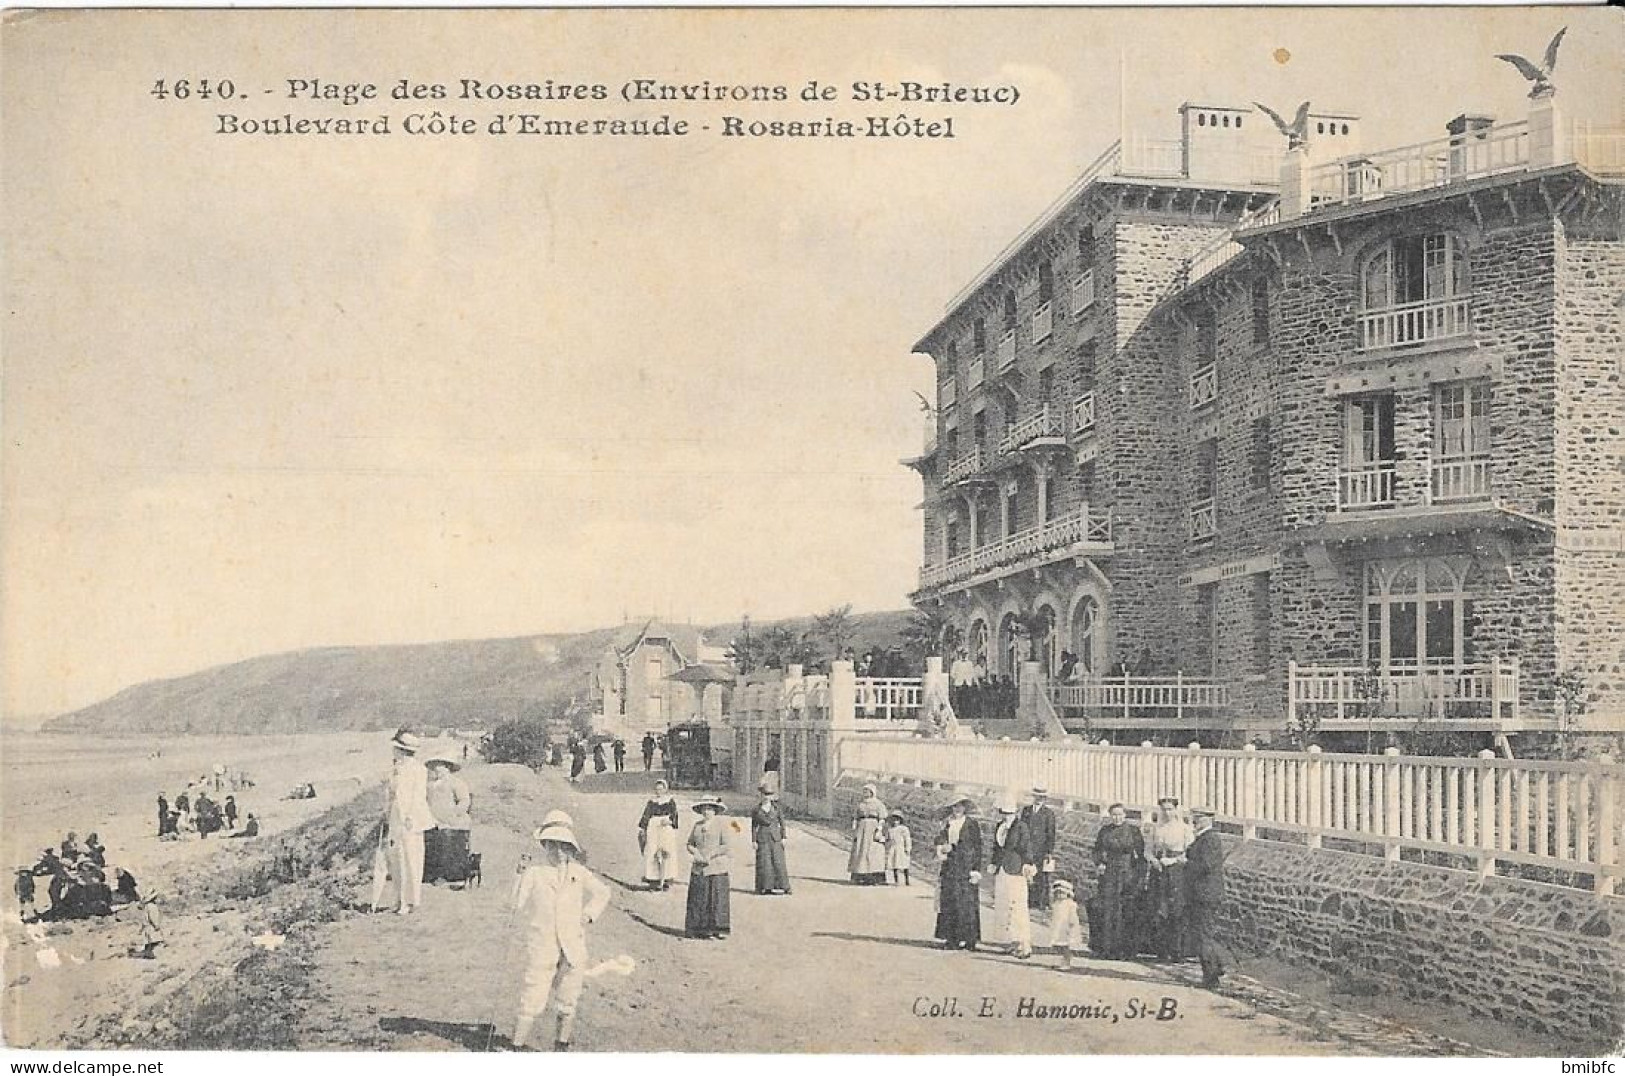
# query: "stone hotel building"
1329,435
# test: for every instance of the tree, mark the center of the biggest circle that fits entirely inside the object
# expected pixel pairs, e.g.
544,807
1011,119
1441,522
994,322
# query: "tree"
835,628
929,632
746,649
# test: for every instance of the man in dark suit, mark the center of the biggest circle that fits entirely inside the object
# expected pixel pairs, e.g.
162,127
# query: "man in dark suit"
1040,821
1204,891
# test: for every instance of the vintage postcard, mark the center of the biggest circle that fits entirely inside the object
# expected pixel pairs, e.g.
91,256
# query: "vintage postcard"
771,531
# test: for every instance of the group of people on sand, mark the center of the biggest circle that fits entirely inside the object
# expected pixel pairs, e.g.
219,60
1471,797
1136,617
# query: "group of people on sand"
577,749
428,823
80,882
194,811
1156,890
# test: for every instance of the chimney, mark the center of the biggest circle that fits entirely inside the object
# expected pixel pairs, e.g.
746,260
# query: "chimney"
1469,143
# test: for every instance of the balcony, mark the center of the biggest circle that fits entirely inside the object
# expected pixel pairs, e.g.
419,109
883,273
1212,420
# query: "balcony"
947,394
1481,695
1043,323
1139,701
975,374
1007,350
1204,520
1371,486
1416,323
1083,413
1462,479
1204,386
963,467
1030,429
1083,292
1422,166
1061,533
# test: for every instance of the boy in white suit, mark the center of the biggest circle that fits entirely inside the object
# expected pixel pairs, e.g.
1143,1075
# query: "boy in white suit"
407,817
554,900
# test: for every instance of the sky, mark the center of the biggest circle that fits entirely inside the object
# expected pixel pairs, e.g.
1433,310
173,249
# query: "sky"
261,394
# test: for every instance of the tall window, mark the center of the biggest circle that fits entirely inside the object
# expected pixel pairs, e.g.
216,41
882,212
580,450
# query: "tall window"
1206,478
978,333
1009,311
1259,454
1046,384
1207,338
1419,613
1461,441
1012,509
1046,283
1261,311
1414,269
1368,452
1086,481
1085,637
979,430
950,539
1051,487
950,443
1087,355
1086,246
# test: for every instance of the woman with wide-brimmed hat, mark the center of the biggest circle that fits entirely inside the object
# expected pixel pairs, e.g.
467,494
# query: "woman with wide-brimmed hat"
446,846
657,838
959,903
406,817
708,845
767,834
867,863
554,900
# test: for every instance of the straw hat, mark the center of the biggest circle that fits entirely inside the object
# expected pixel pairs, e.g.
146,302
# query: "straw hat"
1040,792
559,827
1006,803
1168,801
713,802
1060,887
443,759
406,742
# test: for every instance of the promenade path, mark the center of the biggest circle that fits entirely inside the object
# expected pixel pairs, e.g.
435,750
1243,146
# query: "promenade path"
832,968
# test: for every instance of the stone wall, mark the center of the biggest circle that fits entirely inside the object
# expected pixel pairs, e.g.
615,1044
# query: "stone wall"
1540,957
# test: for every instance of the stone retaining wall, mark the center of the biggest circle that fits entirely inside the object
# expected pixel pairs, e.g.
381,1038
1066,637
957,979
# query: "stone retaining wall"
1537,956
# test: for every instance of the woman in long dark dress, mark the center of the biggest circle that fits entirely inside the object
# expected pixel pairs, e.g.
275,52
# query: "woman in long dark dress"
767,833
959,903
1119,853
578,760
708,913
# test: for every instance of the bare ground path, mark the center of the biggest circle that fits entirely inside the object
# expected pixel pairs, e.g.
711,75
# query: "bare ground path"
832,968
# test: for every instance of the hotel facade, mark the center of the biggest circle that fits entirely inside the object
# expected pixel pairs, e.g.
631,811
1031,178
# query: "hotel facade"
1320,438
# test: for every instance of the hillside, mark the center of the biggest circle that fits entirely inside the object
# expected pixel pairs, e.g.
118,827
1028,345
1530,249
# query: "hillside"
459,684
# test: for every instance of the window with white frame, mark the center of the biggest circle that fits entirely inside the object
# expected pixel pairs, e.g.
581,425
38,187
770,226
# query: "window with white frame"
1368,452
1415,269
1419,613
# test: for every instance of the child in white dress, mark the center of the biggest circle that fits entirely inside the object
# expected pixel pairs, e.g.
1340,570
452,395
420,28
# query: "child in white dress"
1065,932
899,848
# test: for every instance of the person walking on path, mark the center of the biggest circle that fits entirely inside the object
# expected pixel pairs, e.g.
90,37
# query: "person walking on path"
1065,930
867,863
707,913
1119,852
231,812
452,805
959,902
899,848
1040,819
166,825
554,901
620,756
657,839
406,817
599,765
578,760
1204,891
767,834
1013,868
1166,851
648,751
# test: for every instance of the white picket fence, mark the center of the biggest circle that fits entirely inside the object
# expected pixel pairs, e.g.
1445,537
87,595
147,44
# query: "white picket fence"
1559,815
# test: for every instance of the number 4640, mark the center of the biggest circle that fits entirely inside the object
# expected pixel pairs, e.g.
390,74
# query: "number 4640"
183,88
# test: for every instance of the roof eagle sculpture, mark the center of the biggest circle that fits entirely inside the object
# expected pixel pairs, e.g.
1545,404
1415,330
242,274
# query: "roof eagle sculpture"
1540,75
1297,132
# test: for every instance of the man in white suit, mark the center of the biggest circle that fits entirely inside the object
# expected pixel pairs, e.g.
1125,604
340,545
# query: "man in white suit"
554,900
407,817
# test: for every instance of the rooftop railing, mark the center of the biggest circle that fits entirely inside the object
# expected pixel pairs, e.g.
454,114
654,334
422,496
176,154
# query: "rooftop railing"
1424,165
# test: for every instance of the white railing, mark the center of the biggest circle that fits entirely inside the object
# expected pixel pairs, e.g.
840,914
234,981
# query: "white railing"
1204,386
1152,157
1416,323
1204,520
1421,166
1367,487
1043,323
1083,292
1213,257
1461,480
1600,150
1029,429
1478,693
890,698
1058,533
1083,413
947,394
1007,350
1559,815
964,466
1140,698
975,374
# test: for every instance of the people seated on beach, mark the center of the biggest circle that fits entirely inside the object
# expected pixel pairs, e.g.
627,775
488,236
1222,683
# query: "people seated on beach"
51,866
70,848
251,827
302,792
208,816
87,894
124,889
94,851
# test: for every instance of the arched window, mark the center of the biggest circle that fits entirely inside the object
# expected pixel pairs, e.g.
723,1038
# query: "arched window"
1085,637
1419,613
1414,269
976,644
1009,646
1047,645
